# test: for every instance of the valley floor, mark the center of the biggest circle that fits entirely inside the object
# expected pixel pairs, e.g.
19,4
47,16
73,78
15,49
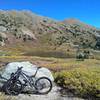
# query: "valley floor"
89,70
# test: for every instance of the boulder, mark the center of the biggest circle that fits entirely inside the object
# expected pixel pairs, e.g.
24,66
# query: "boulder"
28,69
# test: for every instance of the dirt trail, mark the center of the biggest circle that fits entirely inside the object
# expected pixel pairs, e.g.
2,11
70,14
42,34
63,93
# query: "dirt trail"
53,95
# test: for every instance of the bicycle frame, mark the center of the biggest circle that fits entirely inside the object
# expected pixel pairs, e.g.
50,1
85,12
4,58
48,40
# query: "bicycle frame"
29,79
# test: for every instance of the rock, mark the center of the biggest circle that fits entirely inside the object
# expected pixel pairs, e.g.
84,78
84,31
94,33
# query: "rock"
2,29
3,35
28,69
28,33
2,43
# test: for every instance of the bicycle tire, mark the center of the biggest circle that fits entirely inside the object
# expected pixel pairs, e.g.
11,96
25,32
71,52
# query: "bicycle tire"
37,82
13,88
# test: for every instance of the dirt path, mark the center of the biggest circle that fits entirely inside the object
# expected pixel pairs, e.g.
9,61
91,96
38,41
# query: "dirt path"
53,95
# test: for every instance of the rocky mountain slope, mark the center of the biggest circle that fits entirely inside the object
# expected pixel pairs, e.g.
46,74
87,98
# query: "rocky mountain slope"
27,27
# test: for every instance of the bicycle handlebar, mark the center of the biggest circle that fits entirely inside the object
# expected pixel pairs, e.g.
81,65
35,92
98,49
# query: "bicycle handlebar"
19,68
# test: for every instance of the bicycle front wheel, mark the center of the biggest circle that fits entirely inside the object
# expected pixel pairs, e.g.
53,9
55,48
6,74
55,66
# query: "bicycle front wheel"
43,85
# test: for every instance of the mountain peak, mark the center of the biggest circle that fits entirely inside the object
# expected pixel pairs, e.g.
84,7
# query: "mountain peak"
71,21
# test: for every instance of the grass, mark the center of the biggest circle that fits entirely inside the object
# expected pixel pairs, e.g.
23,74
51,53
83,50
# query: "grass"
5,97
37,50
80,77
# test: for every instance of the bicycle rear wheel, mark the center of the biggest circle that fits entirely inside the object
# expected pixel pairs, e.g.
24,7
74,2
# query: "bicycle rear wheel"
43,85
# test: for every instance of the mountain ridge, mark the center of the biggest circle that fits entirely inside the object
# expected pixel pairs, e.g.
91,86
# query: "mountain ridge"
25,26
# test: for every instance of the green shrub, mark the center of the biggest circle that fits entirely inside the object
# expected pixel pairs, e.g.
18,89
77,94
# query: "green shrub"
82,82
80,56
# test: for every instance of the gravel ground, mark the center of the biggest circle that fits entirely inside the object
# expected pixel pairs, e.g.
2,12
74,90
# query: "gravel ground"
53,95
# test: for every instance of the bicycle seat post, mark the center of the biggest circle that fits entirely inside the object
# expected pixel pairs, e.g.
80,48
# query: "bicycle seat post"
36,71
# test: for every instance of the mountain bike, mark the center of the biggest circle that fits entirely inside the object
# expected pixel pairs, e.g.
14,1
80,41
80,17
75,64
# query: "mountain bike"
14,85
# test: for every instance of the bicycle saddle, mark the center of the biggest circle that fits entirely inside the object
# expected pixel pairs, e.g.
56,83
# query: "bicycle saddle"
38,67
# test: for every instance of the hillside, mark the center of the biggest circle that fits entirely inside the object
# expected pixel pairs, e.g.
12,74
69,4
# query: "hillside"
28,29
69,48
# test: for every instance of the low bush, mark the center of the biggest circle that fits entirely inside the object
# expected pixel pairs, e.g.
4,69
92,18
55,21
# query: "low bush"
81,81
